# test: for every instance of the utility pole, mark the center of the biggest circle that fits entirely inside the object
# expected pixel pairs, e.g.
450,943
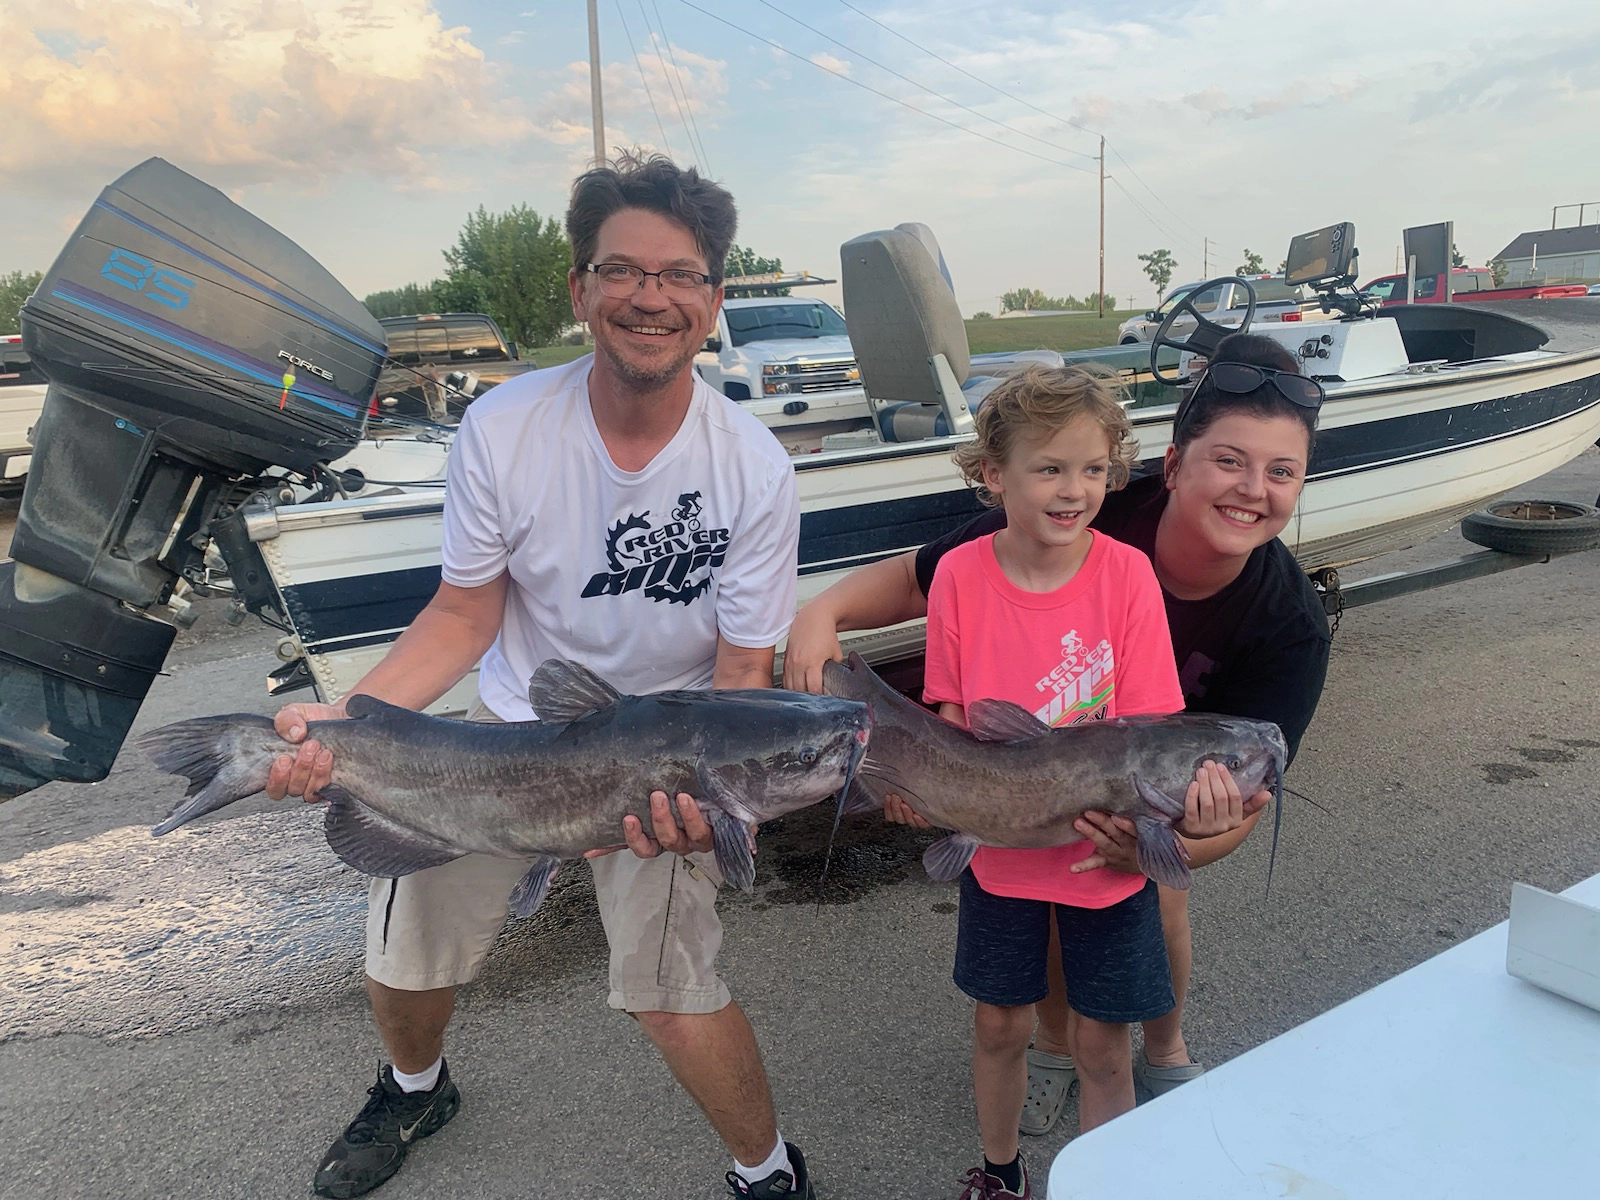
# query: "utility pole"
598,115
1205,257
1102,293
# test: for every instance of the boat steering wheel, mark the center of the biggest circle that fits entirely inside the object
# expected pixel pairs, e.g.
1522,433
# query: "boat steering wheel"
1207,333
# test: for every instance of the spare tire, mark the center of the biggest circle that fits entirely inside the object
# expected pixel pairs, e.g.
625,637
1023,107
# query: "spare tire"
1534,527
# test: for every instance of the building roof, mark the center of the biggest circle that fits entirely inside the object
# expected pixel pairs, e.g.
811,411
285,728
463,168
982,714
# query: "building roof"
1579,240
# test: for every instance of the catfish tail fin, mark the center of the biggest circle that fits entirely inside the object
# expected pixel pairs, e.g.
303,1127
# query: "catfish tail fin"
224,759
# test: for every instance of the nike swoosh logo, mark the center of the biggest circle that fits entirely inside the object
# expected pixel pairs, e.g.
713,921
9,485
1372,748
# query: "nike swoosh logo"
407,1132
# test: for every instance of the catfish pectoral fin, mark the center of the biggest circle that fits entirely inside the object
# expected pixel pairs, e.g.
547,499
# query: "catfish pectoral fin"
375,845
1161,854
949,856
859,799
1159,802
734,847
533,887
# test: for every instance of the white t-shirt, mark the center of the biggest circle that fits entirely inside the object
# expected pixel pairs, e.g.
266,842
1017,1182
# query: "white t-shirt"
631,573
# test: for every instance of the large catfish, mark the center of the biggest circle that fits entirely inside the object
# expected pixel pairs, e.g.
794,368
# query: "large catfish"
411,791
1013,781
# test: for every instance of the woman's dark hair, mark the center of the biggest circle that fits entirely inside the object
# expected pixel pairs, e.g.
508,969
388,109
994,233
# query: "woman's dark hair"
656,184
1207,403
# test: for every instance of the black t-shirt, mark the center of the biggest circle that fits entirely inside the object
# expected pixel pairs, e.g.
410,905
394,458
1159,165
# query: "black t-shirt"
1258,648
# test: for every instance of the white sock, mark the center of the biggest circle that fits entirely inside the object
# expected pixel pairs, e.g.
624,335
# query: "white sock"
778,1160
422,1081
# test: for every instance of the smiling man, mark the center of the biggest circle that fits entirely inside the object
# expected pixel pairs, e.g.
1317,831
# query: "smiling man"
620,513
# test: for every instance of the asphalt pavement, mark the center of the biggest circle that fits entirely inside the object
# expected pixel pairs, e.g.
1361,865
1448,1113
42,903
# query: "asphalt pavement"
183,1017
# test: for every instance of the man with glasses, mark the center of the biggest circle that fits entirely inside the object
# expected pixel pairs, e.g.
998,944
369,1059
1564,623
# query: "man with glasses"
618,512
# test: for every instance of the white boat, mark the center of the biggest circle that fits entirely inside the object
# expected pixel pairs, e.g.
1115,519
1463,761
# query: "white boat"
168,430
1409,442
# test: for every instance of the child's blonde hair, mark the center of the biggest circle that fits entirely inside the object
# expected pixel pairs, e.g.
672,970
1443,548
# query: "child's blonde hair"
1037,401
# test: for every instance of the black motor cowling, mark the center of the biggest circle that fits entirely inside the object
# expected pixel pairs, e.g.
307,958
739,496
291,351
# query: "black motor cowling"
188,346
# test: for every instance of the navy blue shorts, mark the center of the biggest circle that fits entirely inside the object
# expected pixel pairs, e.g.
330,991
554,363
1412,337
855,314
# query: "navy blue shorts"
1115,959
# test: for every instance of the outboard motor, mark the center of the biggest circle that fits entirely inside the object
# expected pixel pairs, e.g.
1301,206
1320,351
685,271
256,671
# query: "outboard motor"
187,346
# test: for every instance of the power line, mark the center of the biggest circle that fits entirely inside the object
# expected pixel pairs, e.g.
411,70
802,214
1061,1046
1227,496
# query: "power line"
867,87
642,79
682,87
1149,216
931,91
1025,103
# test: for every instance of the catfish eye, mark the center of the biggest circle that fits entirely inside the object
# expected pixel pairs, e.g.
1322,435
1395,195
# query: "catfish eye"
808,756
1235,763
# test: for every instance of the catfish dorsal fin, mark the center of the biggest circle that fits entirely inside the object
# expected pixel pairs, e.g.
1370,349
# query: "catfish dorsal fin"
362,705
1003,721
562,690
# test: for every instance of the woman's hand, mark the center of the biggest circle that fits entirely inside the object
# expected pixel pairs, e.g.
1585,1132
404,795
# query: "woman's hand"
307,771
899,812
1212,804
813,640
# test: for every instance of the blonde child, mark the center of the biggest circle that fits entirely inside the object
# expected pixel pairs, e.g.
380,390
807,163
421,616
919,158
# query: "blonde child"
1070,624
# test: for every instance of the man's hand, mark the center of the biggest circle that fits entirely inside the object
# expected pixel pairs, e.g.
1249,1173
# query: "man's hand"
692,837
306,772
1116,841
813,640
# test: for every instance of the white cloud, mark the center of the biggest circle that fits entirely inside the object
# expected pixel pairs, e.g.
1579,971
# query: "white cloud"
247,90
828,62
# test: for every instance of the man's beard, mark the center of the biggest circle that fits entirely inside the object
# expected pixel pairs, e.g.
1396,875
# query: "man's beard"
646,378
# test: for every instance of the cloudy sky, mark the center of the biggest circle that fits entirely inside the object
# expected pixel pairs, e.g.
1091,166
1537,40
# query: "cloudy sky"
367,129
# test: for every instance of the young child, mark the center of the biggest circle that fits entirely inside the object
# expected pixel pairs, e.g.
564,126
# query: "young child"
1070,624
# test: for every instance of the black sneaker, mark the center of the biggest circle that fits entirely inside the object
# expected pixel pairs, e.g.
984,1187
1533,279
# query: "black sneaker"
780,1183
374,1145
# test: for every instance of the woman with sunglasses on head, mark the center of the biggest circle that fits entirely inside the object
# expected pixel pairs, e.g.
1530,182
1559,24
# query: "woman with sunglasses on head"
1248,632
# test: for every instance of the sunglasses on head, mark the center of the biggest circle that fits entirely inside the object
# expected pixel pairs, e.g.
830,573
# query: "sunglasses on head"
1240,379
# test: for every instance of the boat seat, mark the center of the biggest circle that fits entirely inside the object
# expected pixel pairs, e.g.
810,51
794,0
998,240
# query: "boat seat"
909,421
910,341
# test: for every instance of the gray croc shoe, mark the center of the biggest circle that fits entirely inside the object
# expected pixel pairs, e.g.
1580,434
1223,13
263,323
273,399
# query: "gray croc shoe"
1158,1081
1050,1078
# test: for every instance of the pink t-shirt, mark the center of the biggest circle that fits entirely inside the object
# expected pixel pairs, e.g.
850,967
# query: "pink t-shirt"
1096,648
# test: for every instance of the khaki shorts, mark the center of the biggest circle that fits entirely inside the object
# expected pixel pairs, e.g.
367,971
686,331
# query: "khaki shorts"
433,929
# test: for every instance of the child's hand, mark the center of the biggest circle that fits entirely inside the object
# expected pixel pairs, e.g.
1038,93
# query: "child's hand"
1116,841
901,813
1212,805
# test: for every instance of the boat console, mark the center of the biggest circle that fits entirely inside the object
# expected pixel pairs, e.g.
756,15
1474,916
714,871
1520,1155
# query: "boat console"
187,347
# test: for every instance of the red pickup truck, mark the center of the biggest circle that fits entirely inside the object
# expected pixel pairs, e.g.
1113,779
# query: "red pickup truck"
1466,283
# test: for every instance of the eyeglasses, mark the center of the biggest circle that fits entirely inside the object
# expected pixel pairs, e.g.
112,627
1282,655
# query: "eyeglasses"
620,280
1240,379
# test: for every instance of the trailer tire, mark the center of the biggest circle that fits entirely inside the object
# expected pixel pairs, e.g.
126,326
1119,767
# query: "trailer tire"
1534,527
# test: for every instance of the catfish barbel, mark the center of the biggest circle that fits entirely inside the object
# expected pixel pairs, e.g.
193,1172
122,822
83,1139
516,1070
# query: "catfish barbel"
1012,781
411,791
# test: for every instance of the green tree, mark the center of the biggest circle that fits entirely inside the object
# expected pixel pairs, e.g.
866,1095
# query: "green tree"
1254,264
1159,265
14,289
403,301
513,266
1456,259
742,260
1498,268
1023,300
983,316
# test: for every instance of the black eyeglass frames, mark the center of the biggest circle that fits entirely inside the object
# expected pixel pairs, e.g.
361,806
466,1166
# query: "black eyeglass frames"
619,280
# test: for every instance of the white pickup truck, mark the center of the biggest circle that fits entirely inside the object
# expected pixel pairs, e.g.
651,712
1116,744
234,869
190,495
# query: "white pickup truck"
20,403
789,360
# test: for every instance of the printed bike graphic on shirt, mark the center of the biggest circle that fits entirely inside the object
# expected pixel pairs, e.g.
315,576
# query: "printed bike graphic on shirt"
674,562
